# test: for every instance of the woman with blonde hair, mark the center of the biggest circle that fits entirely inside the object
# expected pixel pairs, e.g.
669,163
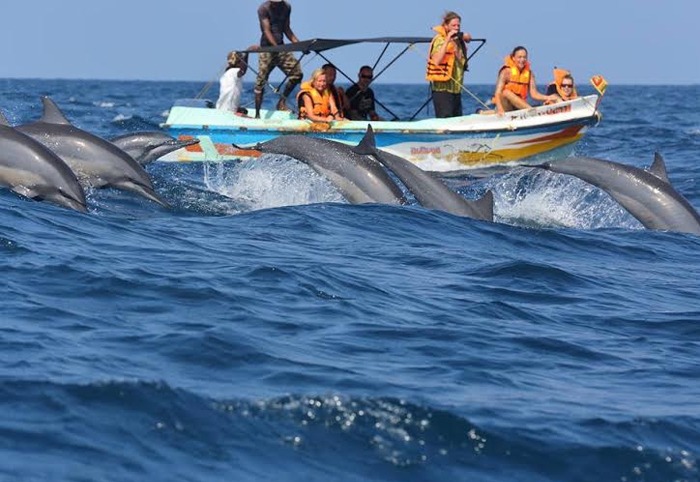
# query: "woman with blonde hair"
315,100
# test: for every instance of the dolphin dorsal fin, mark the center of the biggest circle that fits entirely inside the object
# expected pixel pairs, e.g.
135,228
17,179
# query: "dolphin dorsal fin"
52,114
3,120
658,168
485,205
368,144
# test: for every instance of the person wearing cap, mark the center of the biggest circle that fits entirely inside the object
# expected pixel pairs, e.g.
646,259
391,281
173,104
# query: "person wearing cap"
274,17
231,83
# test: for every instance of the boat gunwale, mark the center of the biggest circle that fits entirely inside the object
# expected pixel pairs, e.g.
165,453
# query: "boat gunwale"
456,125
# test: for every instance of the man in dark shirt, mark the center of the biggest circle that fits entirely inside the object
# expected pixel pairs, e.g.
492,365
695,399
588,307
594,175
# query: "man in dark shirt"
274,18
361,97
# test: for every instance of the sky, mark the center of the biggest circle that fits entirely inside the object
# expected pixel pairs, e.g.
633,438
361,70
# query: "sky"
626,41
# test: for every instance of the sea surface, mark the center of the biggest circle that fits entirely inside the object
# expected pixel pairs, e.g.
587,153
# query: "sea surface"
264,329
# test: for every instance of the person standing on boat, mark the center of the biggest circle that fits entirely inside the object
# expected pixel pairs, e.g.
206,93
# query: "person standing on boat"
274,17
231,83
515,82
361,97
315,100
446,65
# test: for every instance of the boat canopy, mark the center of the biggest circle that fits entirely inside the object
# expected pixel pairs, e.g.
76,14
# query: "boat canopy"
322,44
318,46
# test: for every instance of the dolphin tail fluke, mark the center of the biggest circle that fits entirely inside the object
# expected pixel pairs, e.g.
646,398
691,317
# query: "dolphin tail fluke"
368,144
52,114
658,168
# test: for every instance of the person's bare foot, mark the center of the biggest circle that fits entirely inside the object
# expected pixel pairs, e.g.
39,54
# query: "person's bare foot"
282,104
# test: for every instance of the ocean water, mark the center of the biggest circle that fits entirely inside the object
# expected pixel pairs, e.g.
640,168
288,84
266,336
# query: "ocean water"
264,329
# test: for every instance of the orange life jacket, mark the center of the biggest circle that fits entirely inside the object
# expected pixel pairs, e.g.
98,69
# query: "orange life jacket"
443,71
519,82
559,75
320,101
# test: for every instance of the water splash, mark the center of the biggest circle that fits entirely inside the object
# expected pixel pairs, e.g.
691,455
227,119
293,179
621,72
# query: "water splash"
537,198
271,181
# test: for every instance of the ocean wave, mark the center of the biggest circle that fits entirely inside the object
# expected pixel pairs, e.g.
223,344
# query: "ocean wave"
157,428
134,123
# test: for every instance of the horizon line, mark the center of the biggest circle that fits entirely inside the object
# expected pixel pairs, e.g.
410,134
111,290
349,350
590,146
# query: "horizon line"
80,79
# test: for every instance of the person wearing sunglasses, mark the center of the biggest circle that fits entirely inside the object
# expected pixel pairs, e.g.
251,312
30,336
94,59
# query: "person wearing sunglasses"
447,63
563,86
516,82
361,104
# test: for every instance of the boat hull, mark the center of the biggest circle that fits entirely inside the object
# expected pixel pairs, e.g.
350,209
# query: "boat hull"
433,144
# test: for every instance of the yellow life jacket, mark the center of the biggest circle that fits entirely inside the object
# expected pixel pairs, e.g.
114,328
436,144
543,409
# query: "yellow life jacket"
519,82
320,101
443,71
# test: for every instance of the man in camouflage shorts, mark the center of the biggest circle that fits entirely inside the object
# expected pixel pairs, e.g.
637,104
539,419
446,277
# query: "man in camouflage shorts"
274,18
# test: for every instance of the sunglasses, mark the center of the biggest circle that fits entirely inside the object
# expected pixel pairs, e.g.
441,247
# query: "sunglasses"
564,86
370,77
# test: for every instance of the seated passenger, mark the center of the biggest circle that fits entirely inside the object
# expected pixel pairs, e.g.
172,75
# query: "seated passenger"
361,97
231,84
515,83
563,86
338,93
315,100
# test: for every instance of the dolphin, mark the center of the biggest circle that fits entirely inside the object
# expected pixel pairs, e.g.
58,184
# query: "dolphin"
646,195
359,178
430,191
96,162
32,170
147,146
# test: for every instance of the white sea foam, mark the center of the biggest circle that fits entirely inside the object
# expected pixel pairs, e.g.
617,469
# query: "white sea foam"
271,181
544,199
121,117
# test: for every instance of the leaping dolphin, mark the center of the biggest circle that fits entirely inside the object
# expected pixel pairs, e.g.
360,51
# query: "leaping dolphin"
646,195
430,191
147,146
96,162
32,170
359,178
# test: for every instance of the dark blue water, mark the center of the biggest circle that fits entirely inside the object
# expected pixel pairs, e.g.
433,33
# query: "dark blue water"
263,329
